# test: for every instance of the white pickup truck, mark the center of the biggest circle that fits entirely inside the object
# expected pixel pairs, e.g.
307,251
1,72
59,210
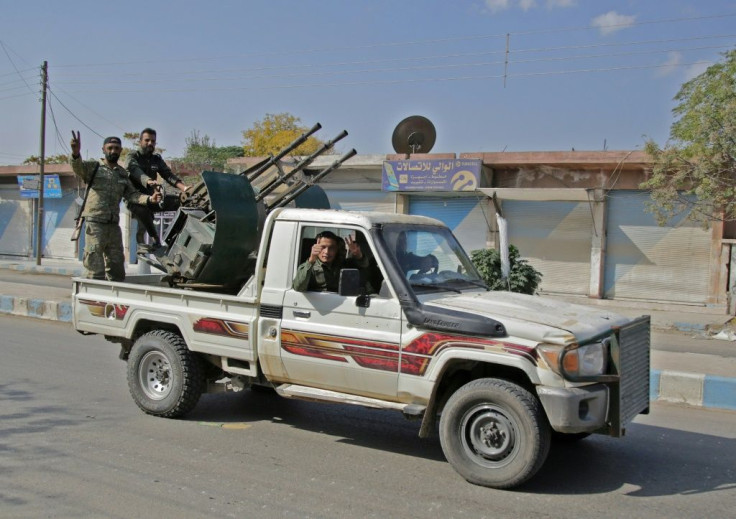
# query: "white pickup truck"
502,373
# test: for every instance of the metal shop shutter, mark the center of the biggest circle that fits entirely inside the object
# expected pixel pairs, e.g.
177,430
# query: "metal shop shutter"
59,223
646,261
465,216
354,200
555,238
15,222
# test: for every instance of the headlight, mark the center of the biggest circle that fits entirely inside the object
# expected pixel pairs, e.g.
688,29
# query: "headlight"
586,361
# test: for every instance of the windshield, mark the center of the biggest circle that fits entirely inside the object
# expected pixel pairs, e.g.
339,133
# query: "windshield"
430,258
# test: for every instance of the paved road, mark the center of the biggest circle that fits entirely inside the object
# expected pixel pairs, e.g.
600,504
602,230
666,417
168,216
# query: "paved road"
73,444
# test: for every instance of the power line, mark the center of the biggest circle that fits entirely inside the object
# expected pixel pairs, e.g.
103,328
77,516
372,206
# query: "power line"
13,82
17,71
307,74
620,54
624,44
396,44
91,110
313,65
416,80
21,87
404,69
13,63
74,115
6,154
626,25
18,95
168,75
59,138
610,69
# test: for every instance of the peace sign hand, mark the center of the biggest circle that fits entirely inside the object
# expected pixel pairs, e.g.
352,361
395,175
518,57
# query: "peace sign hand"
353,247
76,144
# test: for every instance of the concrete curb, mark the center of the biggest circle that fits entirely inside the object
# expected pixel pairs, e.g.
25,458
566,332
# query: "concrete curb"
695,389
38,308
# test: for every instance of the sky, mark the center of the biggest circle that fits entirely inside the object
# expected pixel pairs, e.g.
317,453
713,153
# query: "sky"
491,75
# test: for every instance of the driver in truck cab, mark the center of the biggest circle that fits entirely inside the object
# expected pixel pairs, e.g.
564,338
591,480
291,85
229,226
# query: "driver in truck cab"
321,271
408,261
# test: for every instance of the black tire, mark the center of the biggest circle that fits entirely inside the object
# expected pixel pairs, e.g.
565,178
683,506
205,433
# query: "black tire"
569,437
164,377
494,433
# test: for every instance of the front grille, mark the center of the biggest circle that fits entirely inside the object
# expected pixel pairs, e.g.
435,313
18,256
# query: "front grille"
634,340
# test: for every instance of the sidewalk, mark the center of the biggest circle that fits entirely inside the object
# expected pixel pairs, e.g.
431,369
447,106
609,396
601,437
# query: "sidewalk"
688,366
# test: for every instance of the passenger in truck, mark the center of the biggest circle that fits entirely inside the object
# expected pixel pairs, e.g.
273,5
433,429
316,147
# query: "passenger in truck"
321,271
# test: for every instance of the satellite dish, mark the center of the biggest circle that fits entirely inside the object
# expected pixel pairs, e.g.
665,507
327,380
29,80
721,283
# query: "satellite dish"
415,134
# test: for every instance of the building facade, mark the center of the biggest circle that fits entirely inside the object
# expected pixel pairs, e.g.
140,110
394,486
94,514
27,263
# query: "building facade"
578,217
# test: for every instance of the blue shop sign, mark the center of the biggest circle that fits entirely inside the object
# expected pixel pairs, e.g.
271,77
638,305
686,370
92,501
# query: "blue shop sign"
431,175
29,186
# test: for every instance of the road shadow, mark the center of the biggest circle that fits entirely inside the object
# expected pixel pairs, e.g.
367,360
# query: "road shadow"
653,461
374,428
21,414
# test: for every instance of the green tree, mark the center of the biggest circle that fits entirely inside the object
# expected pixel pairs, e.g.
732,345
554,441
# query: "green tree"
696,169
203,154
53,159
273,133
523,278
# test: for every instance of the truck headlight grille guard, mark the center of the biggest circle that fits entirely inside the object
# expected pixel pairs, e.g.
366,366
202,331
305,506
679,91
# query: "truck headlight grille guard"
631,359
627,374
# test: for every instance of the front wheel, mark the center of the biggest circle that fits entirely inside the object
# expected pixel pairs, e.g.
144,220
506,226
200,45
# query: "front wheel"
494,433
164,377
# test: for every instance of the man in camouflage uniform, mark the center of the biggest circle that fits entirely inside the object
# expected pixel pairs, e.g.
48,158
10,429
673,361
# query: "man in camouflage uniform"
144,166
103,241
321,271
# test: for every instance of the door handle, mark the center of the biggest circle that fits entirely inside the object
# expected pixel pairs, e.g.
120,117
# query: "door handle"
300,313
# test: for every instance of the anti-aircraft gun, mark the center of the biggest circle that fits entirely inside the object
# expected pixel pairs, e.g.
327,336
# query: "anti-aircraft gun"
213,239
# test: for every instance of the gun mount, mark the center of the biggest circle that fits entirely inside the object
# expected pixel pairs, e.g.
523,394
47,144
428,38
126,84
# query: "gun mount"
213,239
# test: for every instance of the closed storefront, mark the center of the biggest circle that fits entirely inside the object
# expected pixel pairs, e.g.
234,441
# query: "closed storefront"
355,200
646,261
467,217
555,238
59,223
18,224
15,222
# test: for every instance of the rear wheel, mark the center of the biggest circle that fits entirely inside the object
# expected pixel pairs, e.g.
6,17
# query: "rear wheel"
164,377
494,433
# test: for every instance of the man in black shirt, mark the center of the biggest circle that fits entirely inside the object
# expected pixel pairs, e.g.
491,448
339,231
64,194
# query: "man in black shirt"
143,167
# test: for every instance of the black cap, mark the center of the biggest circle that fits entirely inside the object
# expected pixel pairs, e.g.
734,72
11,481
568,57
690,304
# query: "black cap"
114,140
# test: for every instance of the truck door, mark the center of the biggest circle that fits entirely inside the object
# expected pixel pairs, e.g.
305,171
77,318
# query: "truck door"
329,342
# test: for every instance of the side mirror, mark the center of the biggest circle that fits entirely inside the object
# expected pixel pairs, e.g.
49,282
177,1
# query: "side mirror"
349,282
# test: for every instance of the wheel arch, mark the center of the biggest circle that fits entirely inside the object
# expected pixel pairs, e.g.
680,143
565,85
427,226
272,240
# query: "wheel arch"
457,372
142,325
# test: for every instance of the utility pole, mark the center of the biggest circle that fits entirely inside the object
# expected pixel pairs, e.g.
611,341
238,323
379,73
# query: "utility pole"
42,181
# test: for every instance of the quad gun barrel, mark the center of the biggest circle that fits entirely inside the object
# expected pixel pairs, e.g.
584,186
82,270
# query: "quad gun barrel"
212,238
